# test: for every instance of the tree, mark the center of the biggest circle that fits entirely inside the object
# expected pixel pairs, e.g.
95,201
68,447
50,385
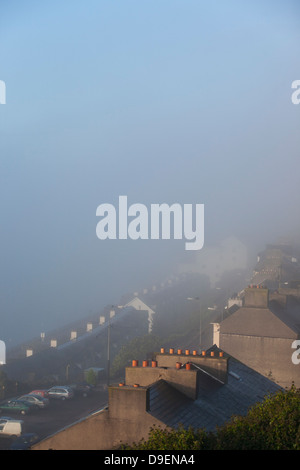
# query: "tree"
91,377
3,383
270,425
135,349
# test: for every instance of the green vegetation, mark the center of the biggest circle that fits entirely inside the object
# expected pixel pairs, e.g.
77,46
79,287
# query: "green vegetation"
141,348
273,424
91,377
137,348
3,384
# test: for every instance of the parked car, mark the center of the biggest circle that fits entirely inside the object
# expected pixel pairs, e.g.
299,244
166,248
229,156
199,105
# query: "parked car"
25,441
82,389
16,406
37,400
61,392
10,427
42,393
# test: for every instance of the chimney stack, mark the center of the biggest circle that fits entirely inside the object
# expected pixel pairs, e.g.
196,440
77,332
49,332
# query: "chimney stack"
256,296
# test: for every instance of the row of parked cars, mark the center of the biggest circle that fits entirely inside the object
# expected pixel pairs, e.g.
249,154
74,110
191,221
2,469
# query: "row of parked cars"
39,399
35,400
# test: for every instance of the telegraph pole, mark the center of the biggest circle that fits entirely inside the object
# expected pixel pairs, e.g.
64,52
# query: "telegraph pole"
108,352
111,313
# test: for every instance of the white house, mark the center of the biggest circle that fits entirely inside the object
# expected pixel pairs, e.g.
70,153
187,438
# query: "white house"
140,305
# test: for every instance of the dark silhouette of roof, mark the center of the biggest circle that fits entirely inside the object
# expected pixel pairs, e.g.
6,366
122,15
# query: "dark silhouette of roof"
216,402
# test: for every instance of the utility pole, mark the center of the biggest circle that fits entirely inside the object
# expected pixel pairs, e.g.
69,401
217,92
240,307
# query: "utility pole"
111,314
108,352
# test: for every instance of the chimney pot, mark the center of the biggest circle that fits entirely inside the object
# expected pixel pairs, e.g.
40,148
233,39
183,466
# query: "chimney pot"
135,363
187,352
179,351
188,366
154,363
145,363
178,365
162,350
171,350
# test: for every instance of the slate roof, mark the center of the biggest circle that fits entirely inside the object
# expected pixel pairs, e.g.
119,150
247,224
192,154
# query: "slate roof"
290,315
216,403
172,407
273,321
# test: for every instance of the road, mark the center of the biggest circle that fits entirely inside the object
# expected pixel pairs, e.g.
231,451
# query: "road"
59,414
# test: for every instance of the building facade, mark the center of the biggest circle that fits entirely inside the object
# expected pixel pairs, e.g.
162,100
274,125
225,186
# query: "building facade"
263,333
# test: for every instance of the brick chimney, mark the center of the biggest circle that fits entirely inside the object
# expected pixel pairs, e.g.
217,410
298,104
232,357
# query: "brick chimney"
214,363
128,402
181,378
256,297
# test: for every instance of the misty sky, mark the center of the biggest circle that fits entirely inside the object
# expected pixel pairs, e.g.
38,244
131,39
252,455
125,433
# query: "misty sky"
167,101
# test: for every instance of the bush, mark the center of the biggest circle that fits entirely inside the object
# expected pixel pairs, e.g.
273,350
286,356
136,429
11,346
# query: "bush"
176,439
271,425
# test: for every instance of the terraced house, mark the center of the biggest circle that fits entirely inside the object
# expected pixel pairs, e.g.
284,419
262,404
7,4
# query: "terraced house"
177,387
264,332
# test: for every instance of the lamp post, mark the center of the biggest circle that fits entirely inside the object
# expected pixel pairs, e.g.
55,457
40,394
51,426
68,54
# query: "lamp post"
108,351
67,372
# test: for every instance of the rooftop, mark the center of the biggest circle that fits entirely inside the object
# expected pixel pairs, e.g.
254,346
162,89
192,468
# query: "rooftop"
216,402
200,390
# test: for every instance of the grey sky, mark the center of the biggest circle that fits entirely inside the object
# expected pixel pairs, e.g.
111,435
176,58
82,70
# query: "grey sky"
170,101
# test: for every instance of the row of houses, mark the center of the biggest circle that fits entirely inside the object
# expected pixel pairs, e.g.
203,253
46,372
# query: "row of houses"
68,336
251,358
79,352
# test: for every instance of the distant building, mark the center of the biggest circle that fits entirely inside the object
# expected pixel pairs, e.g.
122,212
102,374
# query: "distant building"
262,332
215,261
276,266
138,304
132,321
182,388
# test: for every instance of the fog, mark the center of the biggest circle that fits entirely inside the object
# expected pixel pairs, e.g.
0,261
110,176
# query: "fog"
164,102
